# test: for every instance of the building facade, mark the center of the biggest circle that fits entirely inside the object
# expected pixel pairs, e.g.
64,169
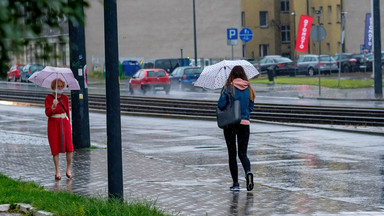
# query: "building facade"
275,24
164,29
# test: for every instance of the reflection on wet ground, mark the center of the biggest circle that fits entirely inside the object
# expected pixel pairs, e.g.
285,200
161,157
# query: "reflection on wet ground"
270,94
182,165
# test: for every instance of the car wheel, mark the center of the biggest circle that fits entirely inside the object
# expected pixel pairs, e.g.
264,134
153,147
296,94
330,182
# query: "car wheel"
167,89
144,89
346,69
9,80
130,89
311,72
14,79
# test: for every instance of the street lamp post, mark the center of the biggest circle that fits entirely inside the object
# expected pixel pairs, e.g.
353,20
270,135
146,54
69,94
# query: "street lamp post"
341,44
194,31
294,32
294,36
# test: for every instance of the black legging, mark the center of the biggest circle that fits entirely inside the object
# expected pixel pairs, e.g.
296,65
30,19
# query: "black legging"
242,132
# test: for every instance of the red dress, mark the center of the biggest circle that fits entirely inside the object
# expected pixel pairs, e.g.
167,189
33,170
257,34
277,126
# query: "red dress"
59,129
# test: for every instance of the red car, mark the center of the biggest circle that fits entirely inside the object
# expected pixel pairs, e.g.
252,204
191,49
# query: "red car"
150,80
14,72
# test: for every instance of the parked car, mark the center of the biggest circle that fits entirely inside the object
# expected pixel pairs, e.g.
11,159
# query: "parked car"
14,72
168,64
310,64
28,70
150,80
185,77
362,62
277,64
370,60
347,62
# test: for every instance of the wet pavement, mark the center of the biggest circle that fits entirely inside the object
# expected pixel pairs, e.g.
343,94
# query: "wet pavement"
181,165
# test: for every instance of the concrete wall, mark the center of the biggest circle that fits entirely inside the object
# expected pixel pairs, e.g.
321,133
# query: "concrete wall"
355,23
158,29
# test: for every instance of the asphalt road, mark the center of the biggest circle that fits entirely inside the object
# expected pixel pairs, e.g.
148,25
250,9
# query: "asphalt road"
182,165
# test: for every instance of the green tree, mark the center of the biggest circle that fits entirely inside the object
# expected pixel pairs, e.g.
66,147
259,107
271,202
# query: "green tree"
22,21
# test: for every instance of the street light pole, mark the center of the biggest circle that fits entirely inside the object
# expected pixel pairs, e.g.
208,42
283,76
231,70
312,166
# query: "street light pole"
294,37
294,33
194,31
341,44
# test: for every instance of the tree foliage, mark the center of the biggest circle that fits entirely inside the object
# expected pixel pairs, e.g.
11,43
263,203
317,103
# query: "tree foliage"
22,21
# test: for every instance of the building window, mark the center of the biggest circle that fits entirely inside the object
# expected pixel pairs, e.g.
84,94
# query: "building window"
264,19
338,13
285,34
284,5
53,60
263,50
329,48
242,18
329,14
321,15
63,53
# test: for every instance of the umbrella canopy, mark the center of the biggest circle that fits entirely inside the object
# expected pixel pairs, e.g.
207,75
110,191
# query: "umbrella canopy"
215,76
45,77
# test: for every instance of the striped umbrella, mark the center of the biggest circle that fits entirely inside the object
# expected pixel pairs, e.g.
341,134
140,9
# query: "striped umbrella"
215,76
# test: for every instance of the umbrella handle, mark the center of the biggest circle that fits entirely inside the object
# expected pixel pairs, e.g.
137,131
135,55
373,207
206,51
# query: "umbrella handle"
57,75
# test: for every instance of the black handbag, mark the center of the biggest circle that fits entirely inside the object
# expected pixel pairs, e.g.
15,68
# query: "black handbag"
230,115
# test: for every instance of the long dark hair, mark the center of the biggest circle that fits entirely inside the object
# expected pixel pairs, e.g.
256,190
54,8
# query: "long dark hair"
238,72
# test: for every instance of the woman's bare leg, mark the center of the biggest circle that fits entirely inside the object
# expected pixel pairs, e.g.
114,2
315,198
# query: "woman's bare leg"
69,161
57,170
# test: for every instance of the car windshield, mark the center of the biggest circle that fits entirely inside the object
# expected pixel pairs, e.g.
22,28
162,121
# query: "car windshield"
36,68
156,74
192,71
282,60
325,58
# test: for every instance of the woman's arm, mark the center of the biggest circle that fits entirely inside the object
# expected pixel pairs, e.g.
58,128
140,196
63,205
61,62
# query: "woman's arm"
251,104
48,106
67,108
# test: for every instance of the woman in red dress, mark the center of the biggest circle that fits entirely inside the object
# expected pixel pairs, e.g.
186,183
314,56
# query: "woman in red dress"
59,126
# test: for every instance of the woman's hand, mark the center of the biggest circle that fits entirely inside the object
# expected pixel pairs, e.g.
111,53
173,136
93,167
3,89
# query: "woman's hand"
54,104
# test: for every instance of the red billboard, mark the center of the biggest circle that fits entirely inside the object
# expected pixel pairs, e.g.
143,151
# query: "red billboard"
303,33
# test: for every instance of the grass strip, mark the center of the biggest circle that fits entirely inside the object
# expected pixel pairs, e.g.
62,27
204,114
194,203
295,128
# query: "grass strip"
325,82
63,203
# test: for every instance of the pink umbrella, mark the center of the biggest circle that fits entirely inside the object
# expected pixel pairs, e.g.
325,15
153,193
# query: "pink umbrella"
45,77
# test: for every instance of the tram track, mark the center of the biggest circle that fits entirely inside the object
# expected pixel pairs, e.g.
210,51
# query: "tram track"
203,108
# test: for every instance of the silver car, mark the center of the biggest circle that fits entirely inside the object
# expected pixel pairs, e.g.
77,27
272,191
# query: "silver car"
310,64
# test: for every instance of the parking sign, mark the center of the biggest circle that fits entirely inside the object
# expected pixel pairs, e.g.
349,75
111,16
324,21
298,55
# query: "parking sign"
232,34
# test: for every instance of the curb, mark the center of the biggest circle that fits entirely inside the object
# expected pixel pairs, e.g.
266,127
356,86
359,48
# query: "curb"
25,209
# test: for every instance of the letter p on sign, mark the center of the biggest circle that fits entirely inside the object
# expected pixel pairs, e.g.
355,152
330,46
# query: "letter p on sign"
232,34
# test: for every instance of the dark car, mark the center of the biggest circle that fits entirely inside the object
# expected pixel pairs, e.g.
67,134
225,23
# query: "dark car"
310,64
279,65
370,61
362,62
155,79
168,64
28,70
347,62
14,72
185,77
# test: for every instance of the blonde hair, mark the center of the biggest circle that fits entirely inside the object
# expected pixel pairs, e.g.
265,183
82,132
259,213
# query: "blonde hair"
53,83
